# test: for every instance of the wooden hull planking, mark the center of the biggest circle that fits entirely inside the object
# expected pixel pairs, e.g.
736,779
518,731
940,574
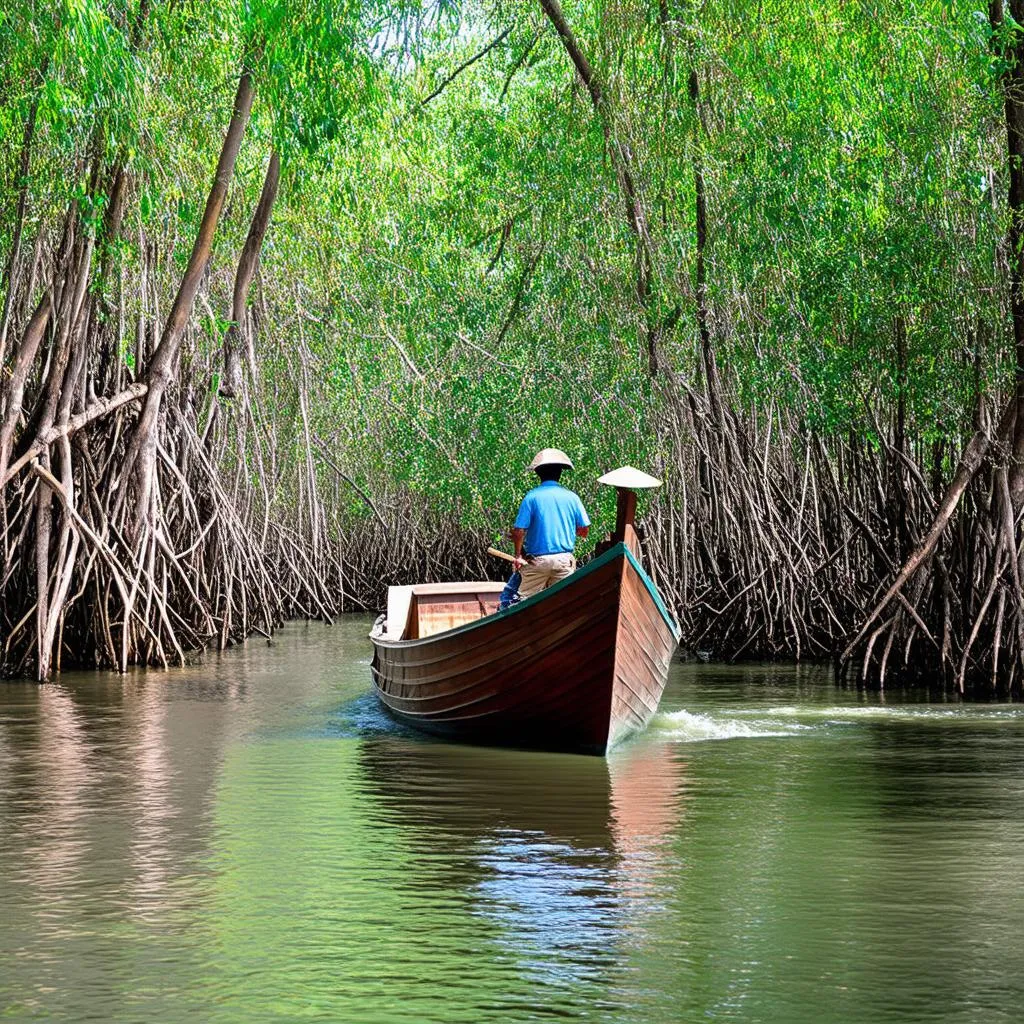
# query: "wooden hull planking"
577,667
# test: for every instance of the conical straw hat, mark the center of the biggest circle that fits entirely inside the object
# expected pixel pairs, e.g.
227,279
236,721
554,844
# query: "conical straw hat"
551,457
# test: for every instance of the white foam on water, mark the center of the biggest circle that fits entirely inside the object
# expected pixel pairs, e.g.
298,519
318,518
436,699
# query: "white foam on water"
882,712
793,720
691,727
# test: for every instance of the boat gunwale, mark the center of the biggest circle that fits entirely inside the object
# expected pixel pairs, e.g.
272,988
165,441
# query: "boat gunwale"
594,564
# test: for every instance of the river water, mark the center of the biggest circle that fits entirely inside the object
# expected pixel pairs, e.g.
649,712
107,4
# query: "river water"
252,839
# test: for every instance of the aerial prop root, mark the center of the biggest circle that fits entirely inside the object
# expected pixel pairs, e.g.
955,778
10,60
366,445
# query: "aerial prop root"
970,579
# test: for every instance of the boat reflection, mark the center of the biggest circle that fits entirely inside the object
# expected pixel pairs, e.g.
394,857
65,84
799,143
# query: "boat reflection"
441,789
647,803
564,854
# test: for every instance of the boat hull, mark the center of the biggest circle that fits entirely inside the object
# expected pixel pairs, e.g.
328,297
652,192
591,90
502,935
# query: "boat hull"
575,668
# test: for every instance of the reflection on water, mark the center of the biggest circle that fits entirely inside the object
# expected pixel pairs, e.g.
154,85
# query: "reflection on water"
646,814
152,849
254,840
563,849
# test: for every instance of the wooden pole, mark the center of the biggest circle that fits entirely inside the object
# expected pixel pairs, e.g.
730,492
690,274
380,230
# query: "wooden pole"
625,513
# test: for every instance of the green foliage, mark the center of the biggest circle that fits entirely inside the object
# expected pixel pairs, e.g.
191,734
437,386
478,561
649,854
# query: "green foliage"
455,281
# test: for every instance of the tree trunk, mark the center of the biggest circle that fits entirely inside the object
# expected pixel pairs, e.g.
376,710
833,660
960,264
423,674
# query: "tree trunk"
14,261
622,161
141,457
1013,92
231,385
19,374
703,315
970,462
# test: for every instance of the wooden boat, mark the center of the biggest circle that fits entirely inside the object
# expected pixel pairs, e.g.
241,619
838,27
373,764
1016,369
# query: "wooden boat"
576,667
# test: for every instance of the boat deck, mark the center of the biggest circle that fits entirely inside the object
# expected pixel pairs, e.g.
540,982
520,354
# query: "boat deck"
425,609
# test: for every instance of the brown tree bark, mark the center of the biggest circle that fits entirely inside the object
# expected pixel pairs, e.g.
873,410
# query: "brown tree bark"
970,462
141,456
621,157
988,545
68,322
231,385
14,260
23,361
703,315
98,409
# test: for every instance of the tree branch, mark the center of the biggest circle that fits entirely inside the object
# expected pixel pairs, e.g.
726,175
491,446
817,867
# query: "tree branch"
465,64
99,408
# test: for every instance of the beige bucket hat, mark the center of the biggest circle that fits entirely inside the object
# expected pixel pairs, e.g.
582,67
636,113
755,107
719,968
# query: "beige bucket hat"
551,457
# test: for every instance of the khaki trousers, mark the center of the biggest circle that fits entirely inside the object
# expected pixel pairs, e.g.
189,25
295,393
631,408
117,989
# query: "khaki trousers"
543,570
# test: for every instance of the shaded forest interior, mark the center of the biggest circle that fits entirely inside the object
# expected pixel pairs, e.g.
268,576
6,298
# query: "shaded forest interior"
293,292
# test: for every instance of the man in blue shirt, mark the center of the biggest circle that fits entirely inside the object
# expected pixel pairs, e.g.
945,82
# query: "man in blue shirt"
550,519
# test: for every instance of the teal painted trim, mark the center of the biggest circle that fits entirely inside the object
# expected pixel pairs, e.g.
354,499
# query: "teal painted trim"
595,563
653,591
592,566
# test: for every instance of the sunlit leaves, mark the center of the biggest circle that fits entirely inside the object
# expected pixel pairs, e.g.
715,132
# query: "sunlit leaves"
462,272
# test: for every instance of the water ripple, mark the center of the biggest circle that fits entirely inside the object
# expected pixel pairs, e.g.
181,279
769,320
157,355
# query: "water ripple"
254,839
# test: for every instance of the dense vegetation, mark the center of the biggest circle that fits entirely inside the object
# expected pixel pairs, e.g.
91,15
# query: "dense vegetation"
292,292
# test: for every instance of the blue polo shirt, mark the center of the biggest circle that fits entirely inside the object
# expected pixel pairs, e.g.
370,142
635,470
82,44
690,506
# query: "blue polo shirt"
550,514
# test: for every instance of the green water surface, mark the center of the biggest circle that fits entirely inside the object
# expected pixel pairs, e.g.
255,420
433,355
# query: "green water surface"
253,840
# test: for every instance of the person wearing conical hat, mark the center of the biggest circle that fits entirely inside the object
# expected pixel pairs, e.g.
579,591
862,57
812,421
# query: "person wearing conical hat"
550,519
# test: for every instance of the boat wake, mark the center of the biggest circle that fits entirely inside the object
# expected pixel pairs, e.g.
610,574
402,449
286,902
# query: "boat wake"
850,715
690,727
758,723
